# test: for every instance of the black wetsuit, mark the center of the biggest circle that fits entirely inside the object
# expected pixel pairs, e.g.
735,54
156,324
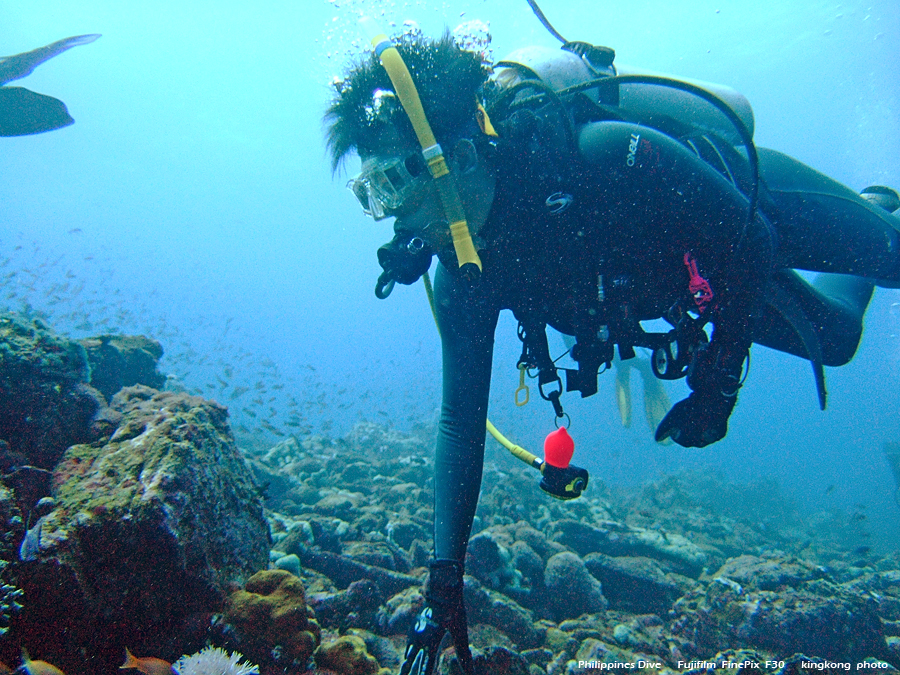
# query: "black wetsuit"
602,239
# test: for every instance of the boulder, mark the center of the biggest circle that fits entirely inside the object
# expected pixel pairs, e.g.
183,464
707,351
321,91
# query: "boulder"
570,590
151,530
46,404
617,539
633,584
118,361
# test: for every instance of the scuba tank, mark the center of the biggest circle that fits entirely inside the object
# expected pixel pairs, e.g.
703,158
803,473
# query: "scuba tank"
579,84
563,70
711,119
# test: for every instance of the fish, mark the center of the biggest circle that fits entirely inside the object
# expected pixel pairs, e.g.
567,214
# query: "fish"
17,66
38,667
147,664
22,111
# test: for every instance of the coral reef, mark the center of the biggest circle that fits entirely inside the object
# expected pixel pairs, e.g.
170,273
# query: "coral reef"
157,537
46,402
346,656
271,611
149,531
664,575
118,361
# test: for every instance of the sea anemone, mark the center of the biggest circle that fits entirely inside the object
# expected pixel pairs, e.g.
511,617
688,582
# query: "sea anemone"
214,661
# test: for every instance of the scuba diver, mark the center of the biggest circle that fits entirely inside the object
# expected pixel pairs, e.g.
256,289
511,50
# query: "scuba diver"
24,112
552,185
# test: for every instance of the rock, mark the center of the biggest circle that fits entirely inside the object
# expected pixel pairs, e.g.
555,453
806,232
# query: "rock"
289,563
570,590
150,530
376,440
529,564
403,531
633,584
344,571
488,607
536,540
396,615
617,539
500,661
46,404
382,649
272,610
339,503
346,656
769,574
118,361
351,608
381,554
490,562
824,622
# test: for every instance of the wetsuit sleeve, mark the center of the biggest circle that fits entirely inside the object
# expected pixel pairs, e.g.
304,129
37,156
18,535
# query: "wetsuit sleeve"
467,319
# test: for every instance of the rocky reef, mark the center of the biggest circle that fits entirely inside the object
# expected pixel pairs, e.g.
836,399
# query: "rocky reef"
654,575
132,519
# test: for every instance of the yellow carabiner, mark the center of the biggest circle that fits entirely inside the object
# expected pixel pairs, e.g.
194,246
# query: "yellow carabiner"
522,387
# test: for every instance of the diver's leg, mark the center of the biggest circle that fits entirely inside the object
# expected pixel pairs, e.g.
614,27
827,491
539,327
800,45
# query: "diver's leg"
824,226
831,308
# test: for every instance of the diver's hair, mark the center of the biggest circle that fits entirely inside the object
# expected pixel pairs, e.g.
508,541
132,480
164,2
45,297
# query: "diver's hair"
446,77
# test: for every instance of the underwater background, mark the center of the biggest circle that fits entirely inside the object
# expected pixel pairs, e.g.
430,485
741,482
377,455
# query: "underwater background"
192,202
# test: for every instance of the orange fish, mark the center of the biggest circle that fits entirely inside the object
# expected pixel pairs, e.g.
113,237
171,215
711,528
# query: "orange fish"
38,667
147,665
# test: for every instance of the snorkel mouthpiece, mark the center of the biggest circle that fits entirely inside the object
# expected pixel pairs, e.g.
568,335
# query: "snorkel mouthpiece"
405,88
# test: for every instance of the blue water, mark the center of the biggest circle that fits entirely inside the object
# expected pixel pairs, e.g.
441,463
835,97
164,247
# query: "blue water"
192,201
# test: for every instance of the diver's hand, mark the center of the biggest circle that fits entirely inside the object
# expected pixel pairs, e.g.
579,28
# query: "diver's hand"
698,420
444,611
715,378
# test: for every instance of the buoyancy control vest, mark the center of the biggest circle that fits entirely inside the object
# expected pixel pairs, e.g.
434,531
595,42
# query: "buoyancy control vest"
579,84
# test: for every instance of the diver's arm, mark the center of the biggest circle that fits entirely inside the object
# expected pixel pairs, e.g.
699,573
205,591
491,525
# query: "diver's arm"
467,320
680,205
738,254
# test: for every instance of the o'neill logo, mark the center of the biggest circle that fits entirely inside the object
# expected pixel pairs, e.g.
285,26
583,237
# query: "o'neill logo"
632,149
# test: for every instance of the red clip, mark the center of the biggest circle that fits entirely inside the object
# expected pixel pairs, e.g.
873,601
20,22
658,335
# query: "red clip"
698,286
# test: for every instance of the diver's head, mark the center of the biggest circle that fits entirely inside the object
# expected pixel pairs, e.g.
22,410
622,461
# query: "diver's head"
366,116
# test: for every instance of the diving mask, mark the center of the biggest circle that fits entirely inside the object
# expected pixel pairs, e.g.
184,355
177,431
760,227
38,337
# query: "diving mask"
385,184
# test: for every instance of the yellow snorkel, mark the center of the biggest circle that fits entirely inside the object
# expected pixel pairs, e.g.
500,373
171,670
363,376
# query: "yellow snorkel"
405,88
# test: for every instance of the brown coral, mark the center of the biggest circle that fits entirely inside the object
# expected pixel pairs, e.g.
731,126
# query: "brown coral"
272,610
346,656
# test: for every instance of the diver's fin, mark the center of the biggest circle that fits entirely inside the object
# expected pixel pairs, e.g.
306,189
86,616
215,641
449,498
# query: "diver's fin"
884,197
788,307
18,66
656,401
23,112
623,391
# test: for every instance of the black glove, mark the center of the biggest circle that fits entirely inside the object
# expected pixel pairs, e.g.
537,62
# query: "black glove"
698,420
702,418
444,611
